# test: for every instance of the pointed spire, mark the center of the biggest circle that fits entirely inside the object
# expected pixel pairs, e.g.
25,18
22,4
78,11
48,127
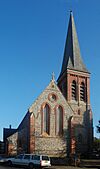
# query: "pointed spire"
72,56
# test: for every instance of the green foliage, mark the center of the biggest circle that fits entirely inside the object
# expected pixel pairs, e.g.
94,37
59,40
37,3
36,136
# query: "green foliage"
98,127
96,144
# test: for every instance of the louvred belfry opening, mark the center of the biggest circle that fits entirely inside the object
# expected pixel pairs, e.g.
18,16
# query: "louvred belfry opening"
73,70
73,90
82,92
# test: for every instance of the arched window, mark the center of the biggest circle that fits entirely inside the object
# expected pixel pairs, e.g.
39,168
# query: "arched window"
73,87
82,92
46,119
59,120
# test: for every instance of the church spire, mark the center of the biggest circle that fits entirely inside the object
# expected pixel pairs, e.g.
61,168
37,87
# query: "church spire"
72,56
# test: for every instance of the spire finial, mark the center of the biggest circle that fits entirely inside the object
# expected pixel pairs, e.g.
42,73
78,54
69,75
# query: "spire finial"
71,11
53,76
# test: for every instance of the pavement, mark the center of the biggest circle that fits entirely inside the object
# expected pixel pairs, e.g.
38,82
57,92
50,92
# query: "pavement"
87,164
53,167
72,167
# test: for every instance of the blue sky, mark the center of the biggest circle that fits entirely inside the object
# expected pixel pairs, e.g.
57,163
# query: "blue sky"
32,39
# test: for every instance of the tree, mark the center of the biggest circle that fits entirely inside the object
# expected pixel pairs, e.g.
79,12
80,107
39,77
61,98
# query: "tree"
98,127
96,144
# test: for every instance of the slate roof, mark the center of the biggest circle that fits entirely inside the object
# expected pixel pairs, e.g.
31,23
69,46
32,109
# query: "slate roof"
72,57
8,132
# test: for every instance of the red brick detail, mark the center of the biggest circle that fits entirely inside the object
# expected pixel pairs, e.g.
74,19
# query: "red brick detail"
88,91
68,88
10,149
51,94
72,136
42,107
79,77
55,110
32,134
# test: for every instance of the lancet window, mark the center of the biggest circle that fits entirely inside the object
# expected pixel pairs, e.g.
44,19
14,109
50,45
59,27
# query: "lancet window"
46,119
59,120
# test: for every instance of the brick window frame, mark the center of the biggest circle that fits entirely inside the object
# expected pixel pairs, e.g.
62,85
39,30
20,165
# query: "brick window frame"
59,126
52,97
45,121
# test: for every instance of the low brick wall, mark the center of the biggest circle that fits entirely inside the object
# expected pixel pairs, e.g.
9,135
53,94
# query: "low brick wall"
59,161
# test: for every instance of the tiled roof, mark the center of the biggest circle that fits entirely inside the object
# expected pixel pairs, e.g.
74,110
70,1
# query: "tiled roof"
72,57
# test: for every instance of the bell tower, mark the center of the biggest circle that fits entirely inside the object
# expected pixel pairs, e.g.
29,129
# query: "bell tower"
74,83
74,78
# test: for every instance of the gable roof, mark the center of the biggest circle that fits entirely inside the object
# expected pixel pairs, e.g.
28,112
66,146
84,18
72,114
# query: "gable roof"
43,97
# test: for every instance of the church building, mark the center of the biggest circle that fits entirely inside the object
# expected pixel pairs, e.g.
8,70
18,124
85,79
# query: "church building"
59,122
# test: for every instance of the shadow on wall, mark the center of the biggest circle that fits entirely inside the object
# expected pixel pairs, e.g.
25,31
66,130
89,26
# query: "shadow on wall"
80,134
23,135
76,139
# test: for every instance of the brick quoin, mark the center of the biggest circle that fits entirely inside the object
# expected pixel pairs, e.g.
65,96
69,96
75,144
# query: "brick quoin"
32,134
